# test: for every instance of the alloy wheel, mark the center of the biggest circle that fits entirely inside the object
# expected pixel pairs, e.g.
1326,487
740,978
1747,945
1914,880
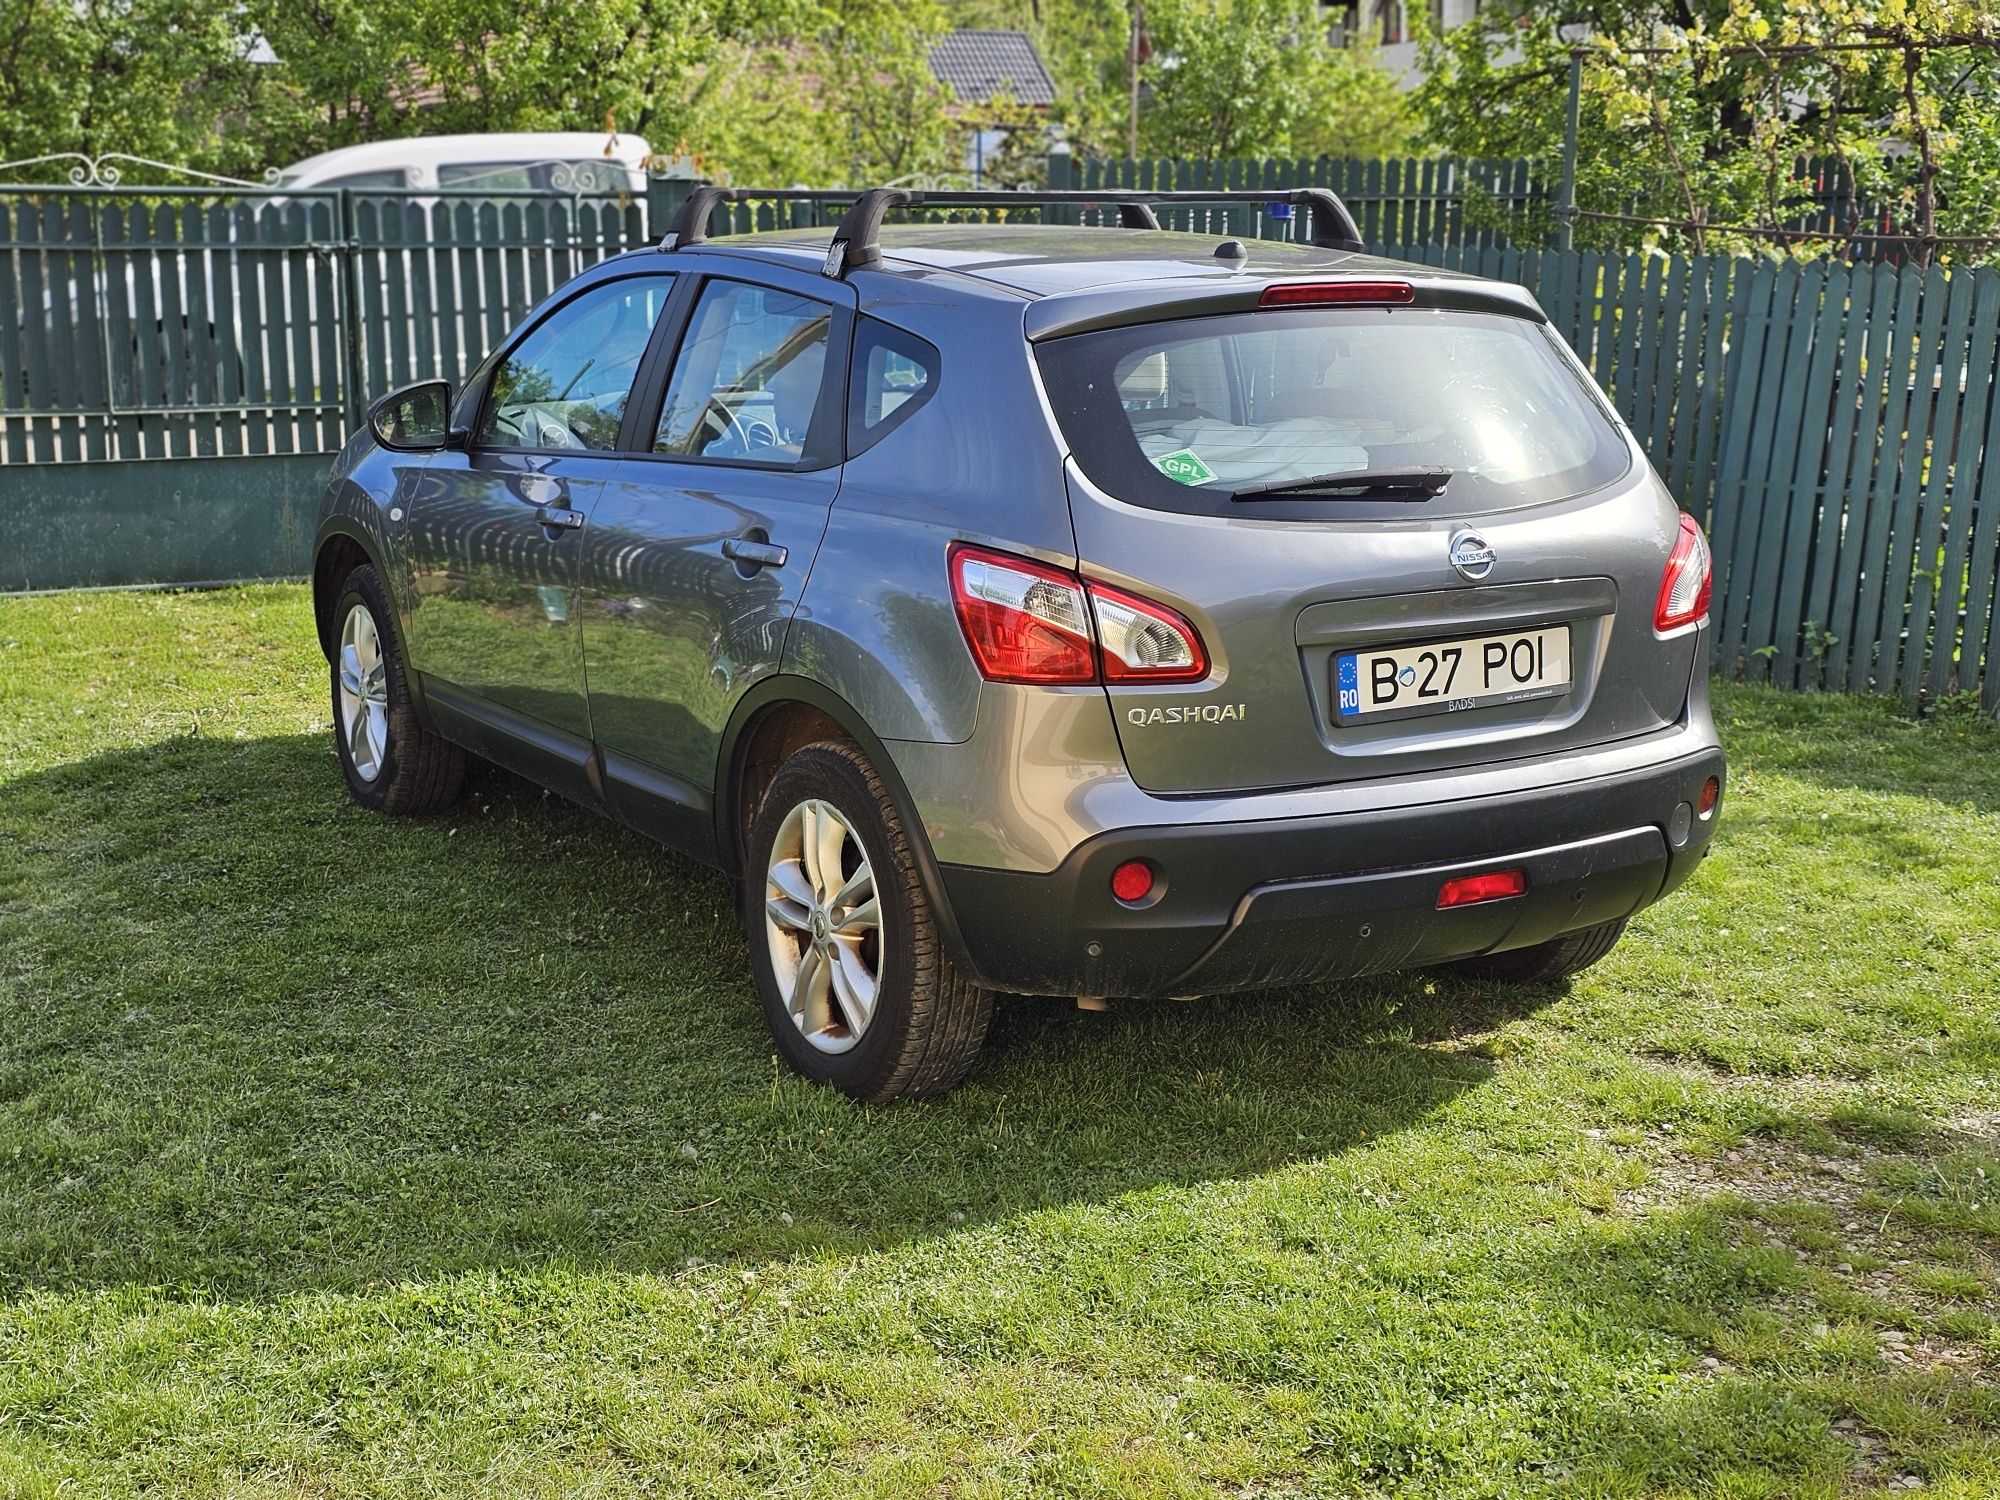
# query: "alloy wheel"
824,926
364,693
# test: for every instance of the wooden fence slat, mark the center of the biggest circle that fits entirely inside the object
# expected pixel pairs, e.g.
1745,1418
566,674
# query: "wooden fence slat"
1919,372
88,273
1942,382
1840,504
1980,658
1897,363
1774,443
328,300
39,312
1796,487
1879,445
13,319
1952,601
1738,440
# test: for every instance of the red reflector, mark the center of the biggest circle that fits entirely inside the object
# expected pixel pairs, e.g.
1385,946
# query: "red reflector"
1132,881
1470,889
1710,790
1307,293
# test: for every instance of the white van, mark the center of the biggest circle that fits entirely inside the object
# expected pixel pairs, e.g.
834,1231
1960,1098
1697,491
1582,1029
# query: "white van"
576,161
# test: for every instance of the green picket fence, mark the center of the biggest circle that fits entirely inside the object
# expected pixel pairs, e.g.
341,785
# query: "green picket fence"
1834,426
1429,200
1837,430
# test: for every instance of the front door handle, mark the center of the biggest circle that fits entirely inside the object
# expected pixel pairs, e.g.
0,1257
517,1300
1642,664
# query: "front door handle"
558,517
751,554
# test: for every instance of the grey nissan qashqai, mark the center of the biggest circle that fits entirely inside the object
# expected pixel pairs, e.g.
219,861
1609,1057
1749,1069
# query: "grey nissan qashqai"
1044,609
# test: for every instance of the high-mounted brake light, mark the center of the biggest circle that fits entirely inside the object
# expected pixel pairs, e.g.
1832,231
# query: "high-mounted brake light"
1470,890
1027,622
1308,293
1688,581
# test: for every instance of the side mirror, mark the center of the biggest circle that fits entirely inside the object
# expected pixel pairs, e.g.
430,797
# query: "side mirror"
416,419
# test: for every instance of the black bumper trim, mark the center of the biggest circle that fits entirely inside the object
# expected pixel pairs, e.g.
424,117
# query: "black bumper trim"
1248,905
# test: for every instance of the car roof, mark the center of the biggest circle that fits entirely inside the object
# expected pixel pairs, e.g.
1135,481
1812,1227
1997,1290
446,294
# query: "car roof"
1081,276
493,147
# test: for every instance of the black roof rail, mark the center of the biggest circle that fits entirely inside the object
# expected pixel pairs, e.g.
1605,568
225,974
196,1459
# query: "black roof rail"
856,242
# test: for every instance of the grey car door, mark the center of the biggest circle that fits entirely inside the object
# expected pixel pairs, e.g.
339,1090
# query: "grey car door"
496,551
708,536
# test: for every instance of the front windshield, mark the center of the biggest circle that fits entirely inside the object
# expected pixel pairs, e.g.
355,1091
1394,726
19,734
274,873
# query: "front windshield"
1254,399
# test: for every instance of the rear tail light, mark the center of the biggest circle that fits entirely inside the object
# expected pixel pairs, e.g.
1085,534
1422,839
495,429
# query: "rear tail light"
1711,793
1689,579
1024,622
1469,890
1027,622
1144,641
1318,293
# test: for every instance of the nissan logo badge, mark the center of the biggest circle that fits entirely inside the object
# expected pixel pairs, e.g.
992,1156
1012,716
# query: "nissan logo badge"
1471,555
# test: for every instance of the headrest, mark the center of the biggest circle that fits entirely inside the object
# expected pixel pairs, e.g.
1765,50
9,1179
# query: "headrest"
1145,382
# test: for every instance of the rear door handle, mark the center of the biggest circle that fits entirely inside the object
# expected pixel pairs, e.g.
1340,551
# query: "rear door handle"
558,517
755,554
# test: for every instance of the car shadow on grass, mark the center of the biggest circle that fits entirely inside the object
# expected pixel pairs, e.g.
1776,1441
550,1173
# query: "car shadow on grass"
258,1040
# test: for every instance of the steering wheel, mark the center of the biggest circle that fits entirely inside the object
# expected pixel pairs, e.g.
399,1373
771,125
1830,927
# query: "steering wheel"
725,422
535,428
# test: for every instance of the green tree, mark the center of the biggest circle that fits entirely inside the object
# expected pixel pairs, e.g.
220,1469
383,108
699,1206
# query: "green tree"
1258,78
152,78
1695,111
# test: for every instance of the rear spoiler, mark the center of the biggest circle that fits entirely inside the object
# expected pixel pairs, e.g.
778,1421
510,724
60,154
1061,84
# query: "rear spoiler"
1195,297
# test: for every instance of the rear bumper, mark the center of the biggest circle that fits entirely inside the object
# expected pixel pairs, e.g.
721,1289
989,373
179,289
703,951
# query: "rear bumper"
1286,901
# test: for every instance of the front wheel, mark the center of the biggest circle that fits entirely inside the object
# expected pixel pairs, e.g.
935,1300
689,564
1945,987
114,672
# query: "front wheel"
856,987
1545,963
392,763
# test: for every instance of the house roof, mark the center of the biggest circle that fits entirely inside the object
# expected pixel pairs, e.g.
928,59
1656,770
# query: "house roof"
980,64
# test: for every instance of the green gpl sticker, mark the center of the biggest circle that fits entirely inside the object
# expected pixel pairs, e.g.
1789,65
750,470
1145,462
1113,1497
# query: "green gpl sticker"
1185,467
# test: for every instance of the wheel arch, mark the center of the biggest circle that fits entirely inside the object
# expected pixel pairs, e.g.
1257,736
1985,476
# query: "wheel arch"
338,552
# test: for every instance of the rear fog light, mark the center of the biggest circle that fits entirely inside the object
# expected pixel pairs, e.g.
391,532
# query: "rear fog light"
1469,890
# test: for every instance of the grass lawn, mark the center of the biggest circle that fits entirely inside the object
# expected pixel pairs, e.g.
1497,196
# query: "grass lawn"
346,1156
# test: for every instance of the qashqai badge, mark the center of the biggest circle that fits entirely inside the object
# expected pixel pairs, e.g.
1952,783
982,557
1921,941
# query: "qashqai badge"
1471,555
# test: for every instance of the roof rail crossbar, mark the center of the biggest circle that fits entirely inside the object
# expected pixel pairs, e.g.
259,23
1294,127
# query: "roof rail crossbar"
857,241
690,224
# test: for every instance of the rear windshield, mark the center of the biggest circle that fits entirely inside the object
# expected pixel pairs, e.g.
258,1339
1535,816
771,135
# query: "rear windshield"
1182,415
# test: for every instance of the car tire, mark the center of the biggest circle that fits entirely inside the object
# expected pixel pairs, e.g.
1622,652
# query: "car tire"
392,763
856,986
1545,963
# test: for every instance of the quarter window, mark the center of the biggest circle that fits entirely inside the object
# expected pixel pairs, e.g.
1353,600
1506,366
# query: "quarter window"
894,374
748,381
566,383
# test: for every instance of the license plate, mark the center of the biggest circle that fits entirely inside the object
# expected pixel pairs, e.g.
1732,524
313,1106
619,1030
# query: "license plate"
1443,677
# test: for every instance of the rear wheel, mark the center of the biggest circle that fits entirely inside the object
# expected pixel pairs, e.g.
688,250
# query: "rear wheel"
857,990
1545,963
392,763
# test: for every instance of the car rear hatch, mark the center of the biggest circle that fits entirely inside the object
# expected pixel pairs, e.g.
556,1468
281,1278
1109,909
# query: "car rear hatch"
1476,583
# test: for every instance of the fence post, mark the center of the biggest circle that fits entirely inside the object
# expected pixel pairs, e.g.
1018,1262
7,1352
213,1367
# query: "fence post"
1566,194
664,197
350,311
1062,177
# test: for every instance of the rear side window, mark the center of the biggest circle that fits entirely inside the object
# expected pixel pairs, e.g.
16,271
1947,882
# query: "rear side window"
894,374
747,383
1180,415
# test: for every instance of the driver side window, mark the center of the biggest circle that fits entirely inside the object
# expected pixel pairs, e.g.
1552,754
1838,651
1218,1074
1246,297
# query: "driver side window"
565,385
747,383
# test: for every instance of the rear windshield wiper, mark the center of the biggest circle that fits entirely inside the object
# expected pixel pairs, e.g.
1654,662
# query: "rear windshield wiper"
1425,481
